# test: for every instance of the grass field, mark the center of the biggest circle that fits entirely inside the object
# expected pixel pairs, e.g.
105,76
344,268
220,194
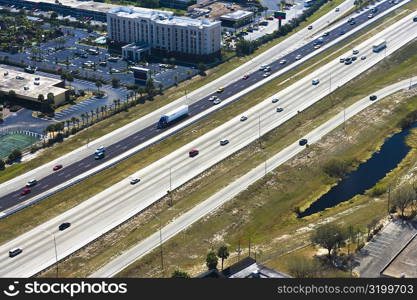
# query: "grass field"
10,142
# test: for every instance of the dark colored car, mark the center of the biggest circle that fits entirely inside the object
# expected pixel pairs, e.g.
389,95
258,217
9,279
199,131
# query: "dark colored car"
373,97
280,109
57,167
99,155
64,226
193,153
25,191
303,142
310,27
415,19
224,142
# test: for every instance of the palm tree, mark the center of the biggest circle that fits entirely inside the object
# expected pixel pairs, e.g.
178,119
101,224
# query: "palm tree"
223,253
83,118
98,85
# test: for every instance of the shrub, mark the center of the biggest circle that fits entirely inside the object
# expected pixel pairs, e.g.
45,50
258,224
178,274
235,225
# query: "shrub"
336,168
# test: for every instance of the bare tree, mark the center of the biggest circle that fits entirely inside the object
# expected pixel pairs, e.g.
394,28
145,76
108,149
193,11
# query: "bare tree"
403,196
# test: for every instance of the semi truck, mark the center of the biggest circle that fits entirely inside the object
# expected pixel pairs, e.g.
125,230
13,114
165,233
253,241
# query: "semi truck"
379,45
173,116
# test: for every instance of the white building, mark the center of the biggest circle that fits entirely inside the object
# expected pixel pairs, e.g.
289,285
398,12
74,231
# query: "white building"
163,31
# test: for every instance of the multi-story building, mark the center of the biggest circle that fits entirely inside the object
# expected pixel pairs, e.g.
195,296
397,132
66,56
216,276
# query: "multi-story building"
162,31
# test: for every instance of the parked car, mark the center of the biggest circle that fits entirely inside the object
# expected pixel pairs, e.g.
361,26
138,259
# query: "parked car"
342,60
193,152
355,51
303,142
243,118
64,226
57,167
31,183
363,57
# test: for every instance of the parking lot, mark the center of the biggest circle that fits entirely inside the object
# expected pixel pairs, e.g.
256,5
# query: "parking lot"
69,54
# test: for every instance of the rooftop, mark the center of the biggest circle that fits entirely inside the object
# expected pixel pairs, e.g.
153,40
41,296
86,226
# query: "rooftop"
162,17
404,264
46,84
237,15
245,268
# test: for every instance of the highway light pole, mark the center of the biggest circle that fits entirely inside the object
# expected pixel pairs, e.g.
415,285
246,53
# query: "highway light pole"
160,243
170,187
259,127
56,252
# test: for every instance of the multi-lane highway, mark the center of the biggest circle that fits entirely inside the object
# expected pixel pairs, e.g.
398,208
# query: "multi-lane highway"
73,166
109,208
240,184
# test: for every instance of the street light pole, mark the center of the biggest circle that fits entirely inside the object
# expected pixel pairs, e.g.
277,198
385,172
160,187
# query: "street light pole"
160,243
56,255
259,127
56,251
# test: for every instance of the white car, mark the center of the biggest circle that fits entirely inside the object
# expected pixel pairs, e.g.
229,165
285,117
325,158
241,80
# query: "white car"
217,101
317,46
212,98
267,74
134,180
283,61
298,57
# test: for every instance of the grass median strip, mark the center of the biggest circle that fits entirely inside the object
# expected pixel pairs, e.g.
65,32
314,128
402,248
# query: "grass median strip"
134,113
86,261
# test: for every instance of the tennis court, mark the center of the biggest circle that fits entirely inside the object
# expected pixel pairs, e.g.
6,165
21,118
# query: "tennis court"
10,142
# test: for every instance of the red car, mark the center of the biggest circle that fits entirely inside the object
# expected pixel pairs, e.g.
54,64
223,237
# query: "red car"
25,191
193,152
57,167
